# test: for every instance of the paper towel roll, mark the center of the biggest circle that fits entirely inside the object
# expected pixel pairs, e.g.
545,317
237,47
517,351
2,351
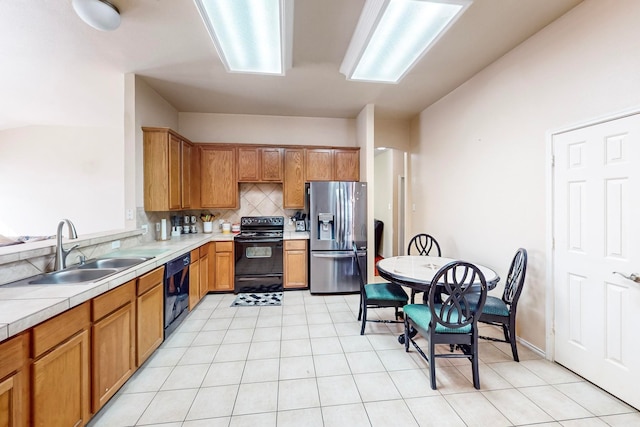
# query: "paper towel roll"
163,229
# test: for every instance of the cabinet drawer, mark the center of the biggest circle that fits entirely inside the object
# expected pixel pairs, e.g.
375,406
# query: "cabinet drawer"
54,331
224,246
150,280
13,354
195,255
112,300
295,244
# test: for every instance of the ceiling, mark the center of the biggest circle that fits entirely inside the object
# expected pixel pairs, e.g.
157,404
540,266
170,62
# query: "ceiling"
166,43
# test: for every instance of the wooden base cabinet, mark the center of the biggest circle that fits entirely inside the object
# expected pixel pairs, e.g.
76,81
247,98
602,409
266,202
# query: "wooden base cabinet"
60,371
295,264
223,267
205,259
194,279
113,339
14,384
149,314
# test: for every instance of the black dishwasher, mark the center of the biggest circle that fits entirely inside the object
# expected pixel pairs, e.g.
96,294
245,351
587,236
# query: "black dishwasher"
176,292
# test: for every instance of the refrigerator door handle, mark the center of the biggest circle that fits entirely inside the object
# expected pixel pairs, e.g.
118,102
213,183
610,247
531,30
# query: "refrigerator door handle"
334,255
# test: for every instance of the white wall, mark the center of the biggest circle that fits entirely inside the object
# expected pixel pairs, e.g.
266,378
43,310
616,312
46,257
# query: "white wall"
383,199
151,110
478,169
52,172
255,129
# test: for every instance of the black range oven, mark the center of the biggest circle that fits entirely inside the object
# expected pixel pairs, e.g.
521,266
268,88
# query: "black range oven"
259,254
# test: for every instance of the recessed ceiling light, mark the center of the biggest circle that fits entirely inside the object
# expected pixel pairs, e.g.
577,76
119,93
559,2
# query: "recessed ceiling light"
250,36
392,35
100,14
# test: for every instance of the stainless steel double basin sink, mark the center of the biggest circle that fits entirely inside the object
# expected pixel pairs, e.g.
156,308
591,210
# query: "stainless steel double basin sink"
89,272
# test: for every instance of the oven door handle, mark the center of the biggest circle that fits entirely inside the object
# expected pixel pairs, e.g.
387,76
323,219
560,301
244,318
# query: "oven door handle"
253,279
259,241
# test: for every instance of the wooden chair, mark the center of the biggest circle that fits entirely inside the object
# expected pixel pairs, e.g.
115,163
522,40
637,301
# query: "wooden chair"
425,245
452,321
378,295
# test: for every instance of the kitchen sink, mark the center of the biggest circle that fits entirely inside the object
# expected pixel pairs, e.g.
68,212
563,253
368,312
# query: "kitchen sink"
76,276
89,272
119,263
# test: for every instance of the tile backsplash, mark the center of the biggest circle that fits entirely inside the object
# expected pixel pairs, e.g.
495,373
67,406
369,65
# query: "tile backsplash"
262,199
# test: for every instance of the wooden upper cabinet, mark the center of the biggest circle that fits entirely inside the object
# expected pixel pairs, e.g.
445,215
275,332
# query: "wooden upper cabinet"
185,174
332,164
293,182
218,182
259,164
248,164
271,164
318,164
346,164
167,170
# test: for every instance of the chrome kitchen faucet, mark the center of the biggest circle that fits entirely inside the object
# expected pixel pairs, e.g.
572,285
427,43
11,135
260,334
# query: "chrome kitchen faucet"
61,254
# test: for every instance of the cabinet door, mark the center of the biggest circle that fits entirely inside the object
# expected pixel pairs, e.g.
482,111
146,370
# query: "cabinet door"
113,360
194,283
248,164
185,173
10,401
318,164
60,387
150,322
293,183
175,173
14,397
224,266
218,184
295,264
346,165
271,169
204,275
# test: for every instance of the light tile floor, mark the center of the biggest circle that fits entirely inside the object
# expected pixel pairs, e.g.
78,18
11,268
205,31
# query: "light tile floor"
305,364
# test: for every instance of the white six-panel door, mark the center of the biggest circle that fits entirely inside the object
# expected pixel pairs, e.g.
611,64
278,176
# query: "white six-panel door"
596,221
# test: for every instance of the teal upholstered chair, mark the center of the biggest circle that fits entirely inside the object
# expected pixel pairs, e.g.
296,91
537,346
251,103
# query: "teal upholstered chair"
378,295
449,317
502,311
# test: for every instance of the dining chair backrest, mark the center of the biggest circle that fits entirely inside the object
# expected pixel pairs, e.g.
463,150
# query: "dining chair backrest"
359,266
515,278
452,289
423,244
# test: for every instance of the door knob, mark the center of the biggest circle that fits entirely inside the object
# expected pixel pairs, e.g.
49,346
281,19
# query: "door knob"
632,276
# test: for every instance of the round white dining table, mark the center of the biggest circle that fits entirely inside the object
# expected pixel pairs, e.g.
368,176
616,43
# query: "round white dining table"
416,271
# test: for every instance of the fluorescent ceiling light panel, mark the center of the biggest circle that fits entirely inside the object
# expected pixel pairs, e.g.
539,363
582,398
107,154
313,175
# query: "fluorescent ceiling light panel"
392,35
251,36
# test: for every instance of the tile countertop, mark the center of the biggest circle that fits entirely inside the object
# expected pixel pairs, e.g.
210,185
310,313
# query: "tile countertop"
23,306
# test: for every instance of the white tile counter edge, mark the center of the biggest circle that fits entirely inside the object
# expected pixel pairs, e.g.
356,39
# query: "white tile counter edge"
23,306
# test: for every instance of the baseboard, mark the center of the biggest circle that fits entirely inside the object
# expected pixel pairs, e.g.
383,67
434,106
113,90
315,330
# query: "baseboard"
531,347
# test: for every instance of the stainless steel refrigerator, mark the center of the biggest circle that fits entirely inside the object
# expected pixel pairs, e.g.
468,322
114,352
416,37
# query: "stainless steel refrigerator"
337,218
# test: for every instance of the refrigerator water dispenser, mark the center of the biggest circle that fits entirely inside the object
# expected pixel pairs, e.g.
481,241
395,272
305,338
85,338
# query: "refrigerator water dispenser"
325,226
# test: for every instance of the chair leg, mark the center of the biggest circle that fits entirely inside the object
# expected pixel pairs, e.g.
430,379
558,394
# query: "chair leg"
406,334
512,338
432,363
474,363
505,331
360,309
413,296
364,317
